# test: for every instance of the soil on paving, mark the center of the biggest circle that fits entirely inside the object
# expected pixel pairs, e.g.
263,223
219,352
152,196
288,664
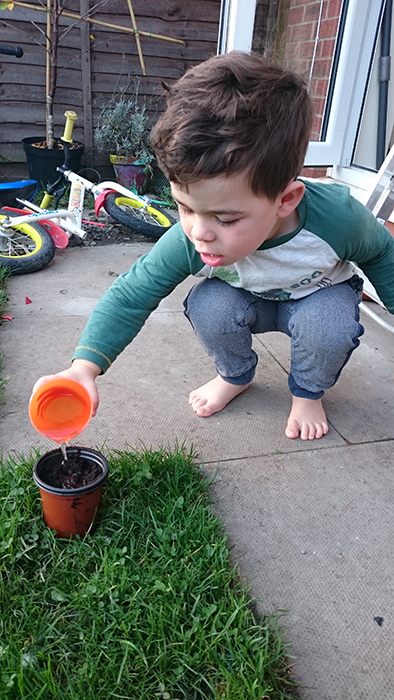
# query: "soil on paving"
71,473
109,232
107,235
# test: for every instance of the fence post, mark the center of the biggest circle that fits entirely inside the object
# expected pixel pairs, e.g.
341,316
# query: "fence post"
86,85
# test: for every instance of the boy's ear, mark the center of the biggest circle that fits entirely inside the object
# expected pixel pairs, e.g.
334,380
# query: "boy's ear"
290,198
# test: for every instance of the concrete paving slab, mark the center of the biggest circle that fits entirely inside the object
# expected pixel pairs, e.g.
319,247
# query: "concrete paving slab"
313,535
144,396
310,522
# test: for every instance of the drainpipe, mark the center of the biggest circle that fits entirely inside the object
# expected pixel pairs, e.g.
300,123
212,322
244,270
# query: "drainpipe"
384,77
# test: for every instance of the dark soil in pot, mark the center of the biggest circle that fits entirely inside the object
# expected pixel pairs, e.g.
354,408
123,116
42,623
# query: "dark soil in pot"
70,473
57,146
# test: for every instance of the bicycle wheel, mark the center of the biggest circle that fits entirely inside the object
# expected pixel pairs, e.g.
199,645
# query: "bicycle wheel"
139,217
24,248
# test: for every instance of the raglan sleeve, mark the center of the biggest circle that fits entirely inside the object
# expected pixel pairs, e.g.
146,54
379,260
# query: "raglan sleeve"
372,249
126,305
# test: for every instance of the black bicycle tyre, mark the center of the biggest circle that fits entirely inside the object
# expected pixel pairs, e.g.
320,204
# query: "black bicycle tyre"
113,206
35,245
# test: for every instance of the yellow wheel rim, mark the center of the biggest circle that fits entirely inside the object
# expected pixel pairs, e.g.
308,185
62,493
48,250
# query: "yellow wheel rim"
30,233
135,204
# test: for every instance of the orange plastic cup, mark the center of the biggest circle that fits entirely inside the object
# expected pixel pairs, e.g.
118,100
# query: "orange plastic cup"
61,409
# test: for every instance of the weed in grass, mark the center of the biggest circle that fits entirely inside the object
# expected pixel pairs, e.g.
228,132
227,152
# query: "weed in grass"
4,275
148,607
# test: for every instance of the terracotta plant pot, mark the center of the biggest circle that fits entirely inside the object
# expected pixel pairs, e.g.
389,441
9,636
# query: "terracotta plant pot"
71,497
132,173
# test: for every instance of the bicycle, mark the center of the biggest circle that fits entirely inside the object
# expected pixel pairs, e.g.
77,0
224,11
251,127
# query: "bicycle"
28,240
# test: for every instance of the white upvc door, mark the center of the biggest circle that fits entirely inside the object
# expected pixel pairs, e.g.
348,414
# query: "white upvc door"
356,52
236,25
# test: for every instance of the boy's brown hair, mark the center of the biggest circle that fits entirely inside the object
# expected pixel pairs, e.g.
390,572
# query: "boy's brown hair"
235,112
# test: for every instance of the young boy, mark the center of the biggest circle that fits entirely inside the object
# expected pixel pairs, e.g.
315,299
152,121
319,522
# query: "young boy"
275,253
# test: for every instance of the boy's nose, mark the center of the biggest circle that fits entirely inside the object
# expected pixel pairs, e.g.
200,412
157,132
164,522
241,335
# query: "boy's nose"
201,231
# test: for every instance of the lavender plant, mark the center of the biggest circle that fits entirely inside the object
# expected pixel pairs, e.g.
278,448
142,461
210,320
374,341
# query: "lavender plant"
123,127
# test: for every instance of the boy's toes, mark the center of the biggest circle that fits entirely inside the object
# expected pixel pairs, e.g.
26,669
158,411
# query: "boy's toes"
307,419
194,399
324,429
292,430
199,405
202,408
313,432
204,411
309,432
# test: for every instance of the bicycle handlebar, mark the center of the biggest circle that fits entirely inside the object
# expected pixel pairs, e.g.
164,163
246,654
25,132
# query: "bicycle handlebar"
53,188
16,51
69,125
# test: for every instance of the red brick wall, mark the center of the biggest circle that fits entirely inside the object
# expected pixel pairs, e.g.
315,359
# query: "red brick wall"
300,39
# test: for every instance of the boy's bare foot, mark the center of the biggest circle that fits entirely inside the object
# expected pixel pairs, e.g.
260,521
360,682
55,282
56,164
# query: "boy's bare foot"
214,396
307,419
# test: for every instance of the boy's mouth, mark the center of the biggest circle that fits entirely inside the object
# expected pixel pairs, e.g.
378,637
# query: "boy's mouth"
212,260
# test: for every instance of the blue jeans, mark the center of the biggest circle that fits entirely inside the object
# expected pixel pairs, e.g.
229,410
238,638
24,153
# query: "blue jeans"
324,329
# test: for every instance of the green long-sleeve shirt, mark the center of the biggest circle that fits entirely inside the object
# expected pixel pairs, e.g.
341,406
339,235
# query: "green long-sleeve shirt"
334,232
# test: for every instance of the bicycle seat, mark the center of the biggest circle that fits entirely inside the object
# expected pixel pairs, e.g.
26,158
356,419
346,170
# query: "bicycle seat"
26,189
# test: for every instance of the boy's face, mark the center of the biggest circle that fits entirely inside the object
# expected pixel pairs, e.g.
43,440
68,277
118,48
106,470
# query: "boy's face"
226,222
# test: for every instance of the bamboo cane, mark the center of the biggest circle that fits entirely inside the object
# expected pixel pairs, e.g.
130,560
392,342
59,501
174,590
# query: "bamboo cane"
137,37
91,20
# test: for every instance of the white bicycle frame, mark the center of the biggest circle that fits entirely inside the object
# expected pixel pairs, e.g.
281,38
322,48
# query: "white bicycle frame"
70,220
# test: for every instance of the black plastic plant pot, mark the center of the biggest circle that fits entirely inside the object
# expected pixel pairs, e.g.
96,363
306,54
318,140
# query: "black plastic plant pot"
71,489
42,162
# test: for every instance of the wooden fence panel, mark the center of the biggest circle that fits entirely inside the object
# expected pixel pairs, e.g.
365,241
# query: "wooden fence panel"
88,78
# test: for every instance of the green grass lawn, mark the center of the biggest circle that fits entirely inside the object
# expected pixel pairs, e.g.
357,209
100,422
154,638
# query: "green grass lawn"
4,275
147,608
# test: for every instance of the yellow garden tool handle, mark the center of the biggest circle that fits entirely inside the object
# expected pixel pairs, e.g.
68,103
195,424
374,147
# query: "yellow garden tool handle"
68,127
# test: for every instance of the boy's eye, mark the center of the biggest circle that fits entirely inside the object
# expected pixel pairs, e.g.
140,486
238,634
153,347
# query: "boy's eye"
183,210
186,212
226,223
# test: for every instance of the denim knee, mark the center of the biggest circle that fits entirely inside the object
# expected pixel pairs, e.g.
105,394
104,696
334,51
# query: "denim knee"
325,330
221,316
217,307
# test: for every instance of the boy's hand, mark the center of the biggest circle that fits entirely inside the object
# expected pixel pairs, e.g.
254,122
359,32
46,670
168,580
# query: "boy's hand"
81,371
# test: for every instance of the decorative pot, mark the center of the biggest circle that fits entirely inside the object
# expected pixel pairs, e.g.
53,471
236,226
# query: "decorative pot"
71,493
133,173
42,162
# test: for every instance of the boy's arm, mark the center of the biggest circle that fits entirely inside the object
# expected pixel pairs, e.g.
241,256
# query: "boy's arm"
374,254
124,308
354,234
380,271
